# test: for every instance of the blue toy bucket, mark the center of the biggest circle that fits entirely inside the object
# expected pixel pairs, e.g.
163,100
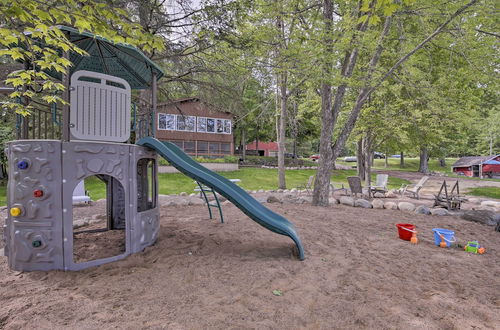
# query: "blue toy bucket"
449,236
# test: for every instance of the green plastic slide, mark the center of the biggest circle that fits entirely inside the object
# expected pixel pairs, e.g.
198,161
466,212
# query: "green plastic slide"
239,197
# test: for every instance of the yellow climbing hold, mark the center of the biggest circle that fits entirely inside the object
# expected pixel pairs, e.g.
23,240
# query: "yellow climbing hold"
15,211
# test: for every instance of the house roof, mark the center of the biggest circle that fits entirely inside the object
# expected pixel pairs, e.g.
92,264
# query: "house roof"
472,160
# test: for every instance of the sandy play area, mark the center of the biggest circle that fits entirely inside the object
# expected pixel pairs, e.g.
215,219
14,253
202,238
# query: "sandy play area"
202,274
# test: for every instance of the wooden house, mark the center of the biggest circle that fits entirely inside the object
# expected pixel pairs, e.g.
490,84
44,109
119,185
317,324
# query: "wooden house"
196,127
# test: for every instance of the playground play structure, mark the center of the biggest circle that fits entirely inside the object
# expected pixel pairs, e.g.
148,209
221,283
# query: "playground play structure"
94,132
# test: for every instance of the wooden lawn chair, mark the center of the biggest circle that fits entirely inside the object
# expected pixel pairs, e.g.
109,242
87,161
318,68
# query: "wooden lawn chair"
333,189
308,186
414,189
450,200
380,184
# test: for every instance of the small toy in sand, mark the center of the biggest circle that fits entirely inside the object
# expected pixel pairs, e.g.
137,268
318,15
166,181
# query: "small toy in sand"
443,243
414,239
474,247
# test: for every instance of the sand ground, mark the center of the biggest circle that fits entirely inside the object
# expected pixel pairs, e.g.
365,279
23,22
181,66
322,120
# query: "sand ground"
202,274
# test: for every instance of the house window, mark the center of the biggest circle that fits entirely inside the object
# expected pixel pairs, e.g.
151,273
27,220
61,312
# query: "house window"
220,126
225,148
166,121
210,125
189,147
178,143
214,147
227,126
202,147
202,124
186,123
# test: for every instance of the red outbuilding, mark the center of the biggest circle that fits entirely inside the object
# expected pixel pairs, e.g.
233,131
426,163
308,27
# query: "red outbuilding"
478,166
264,148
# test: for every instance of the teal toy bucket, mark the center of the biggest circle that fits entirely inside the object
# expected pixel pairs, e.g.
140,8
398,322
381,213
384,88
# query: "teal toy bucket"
448,236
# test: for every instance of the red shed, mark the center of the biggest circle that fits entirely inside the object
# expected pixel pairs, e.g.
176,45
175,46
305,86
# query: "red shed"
264,148
478,166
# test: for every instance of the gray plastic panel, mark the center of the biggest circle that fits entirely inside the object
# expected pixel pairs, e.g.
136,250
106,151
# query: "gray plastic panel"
41,237
145,225
81,160
34,239
100,107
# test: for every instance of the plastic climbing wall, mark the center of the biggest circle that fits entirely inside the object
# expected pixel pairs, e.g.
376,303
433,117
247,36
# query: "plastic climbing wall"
43,174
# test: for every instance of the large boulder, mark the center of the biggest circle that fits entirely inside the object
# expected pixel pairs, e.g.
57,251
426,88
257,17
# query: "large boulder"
363,203
422,209
491,204
303,200
378,204
391,194
474,200
485,217
379,195
406,206
390,206
333,201
439,211
183,194
80,223
346,200
273,199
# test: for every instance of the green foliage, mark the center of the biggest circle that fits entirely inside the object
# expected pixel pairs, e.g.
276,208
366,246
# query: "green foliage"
27,23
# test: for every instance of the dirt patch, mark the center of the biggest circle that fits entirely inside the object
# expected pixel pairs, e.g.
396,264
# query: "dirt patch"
202,274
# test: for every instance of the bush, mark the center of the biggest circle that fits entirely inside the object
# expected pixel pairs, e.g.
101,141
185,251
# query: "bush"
226,159
273,161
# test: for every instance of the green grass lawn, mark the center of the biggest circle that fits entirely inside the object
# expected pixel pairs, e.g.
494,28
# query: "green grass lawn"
251,179
3,193
411,164
490,192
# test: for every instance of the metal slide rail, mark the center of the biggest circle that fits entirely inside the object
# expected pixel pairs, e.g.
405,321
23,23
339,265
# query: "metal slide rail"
204,189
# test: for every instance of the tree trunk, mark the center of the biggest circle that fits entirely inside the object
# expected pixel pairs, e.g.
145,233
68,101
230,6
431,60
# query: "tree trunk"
360,159
386,160
328,118
243,142
282,130
402,160
368,156
424,161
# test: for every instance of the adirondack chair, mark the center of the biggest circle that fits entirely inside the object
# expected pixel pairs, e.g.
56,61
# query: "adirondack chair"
380,184
355,185
414,189
308,186
450,200
333,189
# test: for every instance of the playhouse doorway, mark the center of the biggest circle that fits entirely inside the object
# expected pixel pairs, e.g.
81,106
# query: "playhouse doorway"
99,229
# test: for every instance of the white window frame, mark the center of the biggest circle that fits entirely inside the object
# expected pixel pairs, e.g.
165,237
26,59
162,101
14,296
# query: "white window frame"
230,126
166,126
197,121
185,130
215,125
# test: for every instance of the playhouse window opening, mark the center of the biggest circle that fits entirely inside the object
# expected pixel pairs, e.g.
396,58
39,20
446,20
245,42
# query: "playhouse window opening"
146,185
99,232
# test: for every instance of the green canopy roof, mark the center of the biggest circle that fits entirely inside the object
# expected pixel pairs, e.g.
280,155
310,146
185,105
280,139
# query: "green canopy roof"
119,60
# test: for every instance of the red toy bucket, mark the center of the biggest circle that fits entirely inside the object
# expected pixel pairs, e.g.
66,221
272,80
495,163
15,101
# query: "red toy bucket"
405,230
